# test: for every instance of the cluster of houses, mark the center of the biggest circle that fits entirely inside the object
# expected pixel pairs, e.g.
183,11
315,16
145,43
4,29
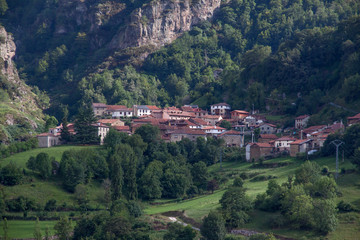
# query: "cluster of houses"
190,121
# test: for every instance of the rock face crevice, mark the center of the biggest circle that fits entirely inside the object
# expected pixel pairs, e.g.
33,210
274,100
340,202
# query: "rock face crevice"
162,21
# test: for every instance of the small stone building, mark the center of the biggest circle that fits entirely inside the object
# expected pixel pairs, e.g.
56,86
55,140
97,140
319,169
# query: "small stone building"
232,138
48,140
254,151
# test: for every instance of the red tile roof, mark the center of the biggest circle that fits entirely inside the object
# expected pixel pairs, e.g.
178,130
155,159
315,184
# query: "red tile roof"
302,117
230,132
263,145
268,136
240,111
314,129
122,128
189,131
198,121
108,121
357,116
213,127
299,142
152,107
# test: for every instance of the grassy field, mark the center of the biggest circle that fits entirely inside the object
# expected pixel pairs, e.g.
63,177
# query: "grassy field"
21,158
25,229
349,185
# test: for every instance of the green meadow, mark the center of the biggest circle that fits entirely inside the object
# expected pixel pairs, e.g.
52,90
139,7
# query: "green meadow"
195,208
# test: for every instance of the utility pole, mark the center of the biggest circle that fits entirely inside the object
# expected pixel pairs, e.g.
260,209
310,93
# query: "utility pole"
252,136
337,144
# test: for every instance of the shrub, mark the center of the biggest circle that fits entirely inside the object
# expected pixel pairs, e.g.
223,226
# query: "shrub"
345,206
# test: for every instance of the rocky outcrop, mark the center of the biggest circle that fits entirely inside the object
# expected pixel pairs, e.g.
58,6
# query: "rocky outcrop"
162,21
19,102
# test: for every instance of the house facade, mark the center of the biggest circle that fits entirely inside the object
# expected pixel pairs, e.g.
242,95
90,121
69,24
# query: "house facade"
178,135
255,151
48,140
222,109
232,138
239,114
301,121
300,146
283,143
99,109
354,119
267,128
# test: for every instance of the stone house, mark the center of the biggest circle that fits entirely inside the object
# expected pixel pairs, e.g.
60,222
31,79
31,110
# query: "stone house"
111,122
48,140
301,121
232,138
141,110
239,114
267,128
179,134
300,146
213,130
222,109
119,111
255,151
99,109
265,138
283,143
102,131
212,119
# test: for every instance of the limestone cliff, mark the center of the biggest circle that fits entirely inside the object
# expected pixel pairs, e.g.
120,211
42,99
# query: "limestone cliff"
162,21
18,105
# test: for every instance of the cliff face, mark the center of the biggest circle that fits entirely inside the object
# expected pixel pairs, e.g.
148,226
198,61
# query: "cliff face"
18,103
160,22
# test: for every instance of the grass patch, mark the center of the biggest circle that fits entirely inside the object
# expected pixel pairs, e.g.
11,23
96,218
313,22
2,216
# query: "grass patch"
20,159
25,229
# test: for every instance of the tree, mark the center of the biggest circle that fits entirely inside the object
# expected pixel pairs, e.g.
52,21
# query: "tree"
356,158
309,172
71,171
178,232
213,227
3,7
129,165
43,165
65,134
150,185
148,133
85,128
235,205
200,175
325,215
10,175
63,228
37,232
6,229
212,185
116,176
225,124
238,182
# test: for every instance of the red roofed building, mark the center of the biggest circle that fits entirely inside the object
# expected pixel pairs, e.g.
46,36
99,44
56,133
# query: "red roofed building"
267,128
125,129
213,130
301,121
232,138
354,119
239,114
255,151
265,138
300,146
283,143
99,109
222,109
111,122
48,140
192,134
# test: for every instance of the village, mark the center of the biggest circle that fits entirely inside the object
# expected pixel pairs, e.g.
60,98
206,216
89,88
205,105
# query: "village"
260,138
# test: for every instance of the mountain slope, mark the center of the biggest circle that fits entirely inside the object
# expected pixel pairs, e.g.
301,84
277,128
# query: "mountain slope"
19,111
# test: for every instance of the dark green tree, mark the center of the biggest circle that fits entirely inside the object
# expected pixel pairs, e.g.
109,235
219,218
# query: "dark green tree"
226,124
10,175
3,7
200,175
178,232
63,228
149,183
148,133
116,176
325,215
85,126
213,227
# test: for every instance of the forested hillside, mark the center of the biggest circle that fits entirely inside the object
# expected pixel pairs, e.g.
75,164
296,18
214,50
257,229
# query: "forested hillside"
292,56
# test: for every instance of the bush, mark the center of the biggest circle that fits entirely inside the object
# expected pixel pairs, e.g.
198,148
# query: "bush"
345,207
10,175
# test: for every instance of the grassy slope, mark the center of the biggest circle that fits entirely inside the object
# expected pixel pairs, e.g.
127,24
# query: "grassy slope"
21,158
349,185
25,229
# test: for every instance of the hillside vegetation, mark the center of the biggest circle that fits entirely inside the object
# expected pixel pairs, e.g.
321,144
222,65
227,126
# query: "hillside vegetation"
258,52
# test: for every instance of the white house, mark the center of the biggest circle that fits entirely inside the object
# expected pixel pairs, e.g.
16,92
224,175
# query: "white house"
301,121
222,109
283,143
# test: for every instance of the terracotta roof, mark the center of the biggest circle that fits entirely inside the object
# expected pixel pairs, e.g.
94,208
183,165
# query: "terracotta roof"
286,138
99,105
268,136
299,142
357,116
152,107
117,107
99,125
240,111
212,116
314,128
189,131
108,121
121,128
302,117
213,127
198,121
271,125
221,104
230,132
188,108
264,145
